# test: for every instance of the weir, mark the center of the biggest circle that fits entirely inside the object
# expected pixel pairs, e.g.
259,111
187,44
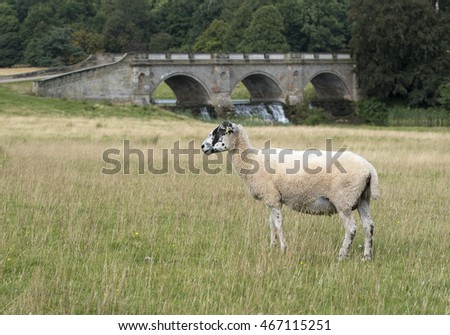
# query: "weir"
270,112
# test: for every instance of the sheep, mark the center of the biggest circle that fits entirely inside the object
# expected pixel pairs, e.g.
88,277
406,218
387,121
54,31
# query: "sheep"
305,181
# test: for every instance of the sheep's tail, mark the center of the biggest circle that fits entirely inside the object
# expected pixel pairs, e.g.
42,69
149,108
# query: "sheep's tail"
374,190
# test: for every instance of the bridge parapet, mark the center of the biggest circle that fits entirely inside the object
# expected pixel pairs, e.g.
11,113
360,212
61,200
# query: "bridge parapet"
220,58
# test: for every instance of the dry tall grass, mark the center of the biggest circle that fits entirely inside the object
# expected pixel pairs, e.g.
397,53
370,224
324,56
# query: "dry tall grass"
18,70
76,241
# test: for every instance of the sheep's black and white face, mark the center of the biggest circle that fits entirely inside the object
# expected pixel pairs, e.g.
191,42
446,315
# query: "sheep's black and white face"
219,139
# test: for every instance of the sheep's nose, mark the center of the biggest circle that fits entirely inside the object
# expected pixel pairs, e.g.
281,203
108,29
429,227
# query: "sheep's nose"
207,148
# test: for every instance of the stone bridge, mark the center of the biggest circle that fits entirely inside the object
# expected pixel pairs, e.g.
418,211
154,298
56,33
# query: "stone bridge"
208,79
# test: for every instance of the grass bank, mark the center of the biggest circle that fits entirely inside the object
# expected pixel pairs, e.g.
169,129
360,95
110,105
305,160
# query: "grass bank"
18,100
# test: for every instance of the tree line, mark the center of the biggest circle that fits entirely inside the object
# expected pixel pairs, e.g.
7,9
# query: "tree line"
400,46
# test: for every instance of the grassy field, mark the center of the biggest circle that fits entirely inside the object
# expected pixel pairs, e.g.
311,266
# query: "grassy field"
76,241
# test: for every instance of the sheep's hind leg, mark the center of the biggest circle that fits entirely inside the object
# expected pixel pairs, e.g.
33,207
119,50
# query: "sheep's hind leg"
276,226
364,213
350,231
273,231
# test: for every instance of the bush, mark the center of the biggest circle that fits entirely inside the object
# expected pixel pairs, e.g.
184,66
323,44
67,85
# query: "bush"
316,116
444,96
309,93
372,111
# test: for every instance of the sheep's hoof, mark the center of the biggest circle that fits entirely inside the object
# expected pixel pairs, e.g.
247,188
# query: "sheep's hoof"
342,258
273,244
367,258
283,248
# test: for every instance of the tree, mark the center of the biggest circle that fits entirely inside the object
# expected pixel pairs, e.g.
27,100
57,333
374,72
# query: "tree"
176,25
75,11
10,45
122,35
212,39
444,96
160,42
293,12
185,20
52,49
127,26
204,14
265,32
441,5
400,49
316,25
239,21
22,7
39,20
87,40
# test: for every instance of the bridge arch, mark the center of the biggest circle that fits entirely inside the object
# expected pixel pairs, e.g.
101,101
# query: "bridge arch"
262,87
188,89
330,85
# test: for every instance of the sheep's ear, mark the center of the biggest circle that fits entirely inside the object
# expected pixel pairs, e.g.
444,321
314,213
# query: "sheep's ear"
230,127
227,124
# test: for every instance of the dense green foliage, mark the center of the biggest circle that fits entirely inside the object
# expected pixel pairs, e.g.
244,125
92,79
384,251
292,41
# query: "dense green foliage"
166,25
444,93
401,47
316,25
211,40
373,112
265,32
9,36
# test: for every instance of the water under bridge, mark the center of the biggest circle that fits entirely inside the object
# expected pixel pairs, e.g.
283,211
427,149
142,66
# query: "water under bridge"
208,79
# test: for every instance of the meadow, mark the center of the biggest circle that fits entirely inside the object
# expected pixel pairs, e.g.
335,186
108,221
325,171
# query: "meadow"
76,241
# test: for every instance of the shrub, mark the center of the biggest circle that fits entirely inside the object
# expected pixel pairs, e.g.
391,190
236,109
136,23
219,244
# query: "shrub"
372,111
444,96
315,116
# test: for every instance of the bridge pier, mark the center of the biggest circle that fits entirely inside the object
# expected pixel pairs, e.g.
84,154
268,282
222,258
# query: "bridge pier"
221,102
294,100
140,99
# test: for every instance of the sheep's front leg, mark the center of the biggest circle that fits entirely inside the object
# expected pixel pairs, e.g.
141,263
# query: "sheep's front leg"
276,228
350,231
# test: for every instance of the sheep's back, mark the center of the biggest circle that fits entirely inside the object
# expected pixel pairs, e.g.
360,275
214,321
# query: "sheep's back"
308,179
